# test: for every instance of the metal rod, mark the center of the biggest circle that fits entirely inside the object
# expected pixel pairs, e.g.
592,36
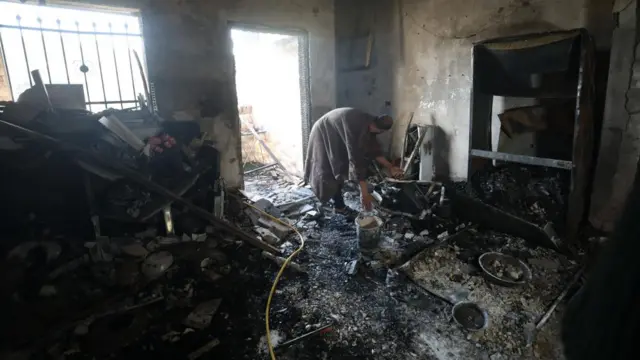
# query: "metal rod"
115,62
143,180
523,159
24,50
3,57
416,149
104,92
307,335
260,168
133,82
145,85
64,54
559,299
68,31
44,47
86,82
39,84
111,102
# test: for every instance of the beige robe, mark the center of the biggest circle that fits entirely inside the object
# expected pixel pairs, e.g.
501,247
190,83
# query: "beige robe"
340,148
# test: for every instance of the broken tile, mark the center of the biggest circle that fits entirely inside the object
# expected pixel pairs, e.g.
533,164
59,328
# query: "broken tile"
200,318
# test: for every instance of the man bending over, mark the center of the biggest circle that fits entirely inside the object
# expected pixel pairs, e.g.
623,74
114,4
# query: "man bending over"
341,145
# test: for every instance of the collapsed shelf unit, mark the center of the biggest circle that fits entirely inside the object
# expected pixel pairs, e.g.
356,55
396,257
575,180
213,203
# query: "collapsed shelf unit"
552,68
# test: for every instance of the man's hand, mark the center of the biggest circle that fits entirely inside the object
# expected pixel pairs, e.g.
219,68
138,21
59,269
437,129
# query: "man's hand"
367,201
396,172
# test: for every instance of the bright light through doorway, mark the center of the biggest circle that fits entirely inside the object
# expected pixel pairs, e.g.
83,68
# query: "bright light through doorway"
269,97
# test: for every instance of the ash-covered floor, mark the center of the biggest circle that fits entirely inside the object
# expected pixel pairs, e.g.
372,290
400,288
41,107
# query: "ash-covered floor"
61,303
381,313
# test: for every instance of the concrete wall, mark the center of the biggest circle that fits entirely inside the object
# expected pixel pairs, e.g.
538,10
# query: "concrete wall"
422,58
189,58
619,153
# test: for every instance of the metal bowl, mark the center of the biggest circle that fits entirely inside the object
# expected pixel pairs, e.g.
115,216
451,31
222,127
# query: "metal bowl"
470,316
487,259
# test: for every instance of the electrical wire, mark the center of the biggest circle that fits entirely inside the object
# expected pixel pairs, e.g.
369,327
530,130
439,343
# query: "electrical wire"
278,276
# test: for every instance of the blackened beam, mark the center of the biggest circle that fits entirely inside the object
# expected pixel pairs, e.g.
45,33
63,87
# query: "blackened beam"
523,159
151,185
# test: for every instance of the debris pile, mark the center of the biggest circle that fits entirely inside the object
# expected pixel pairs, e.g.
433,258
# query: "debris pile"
137,250
119,239
452,272
149,296
536,194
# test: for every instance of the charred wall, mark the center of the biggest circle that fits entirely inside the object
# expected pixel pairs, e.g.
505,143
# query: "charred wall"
421,58
619,151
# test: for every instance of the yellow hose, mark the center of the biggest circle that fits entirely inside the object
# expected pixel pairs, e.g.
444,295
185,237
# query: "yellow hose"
275,282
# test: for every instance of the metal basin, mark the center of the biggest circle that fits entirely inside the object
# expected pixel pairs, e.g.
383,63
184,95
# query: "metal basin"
470,316
504,270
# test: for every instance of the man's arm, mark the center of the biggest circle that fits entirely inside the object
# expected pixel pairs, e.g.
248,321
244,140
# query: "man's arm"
384,162
395,171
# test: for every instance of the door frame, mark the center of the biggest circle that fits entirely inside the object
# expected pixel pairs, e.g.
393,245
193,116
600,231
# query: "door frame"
304,69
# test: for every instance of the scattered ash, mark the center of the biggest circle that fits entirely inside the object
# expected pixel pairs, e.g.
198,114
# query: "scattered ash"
451,270
274,187
52,326
536,194
377,313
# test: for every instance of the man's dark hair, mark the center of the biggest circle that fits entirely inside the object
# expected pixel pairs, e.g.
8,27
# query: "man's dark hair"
384,122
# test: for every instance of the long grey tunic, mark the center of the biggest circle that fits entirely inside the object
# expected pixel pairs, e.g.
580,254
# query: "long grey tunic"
340,148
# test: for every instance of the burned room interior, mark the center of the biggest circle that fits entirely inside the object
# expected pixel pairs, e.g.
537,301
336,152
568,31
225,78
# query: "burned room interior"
158,199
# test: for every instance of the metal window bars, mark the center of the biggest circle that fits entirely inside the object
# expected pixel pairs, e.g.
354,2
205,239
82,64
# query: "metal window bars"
101,39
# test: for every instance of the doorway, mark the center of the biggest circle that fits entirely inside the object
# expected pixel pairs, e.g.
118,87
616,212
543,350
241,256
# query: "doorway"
272,90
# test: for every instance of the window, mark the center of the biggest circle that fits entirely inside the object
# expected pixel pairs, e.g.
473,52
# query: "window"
94,49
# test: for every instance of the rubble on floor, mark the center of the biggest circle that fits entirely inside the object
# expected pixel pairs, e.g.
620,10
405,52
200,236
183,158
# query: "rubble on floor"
452,272
119,240
536,194
137,250
207,298
381,309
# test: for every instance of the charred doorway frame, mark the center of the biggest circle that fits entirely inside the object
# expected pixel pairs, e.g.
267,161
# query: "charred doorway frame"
480,147
304,70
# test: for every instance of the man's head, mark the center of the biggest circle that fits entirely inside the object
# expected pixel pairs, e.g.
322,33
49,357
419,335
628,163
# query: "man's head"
381,124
